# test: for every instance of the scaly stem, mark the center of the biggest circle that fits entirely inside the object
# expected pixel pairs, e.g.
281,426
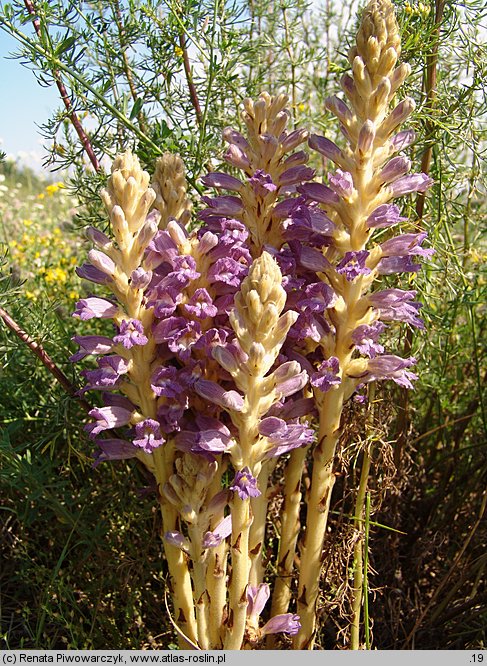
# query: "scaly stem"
322,483
257,529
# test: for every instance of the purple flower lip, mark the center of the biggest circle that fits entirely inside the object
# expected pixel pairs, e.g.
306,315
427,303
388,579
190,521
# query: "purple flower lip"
416,182
91,344
287,623
89,308
245,485
221,532
107,418
224,205
148,435
326,147
296,174
327,375
114,449
353,264
131,333
385,215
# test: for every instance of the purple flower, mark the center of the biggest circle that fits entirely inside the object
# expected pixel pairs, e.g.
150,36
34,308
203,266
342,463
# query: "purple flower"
91,344
108,417
212,437
213,392
223,180
327,375
261,183
395,168
384,216
245,484
391,265
177,540
416,182
107,376
390,367
185,266
200,305
164,382
93,274
289,378
402,139
179,334
318,297
102,262
397,305
296,174
148,435
224,206
406,245
114,449
140,278
167,302
319,192
221,532
287,623
326,147
353,264
257,596
342,183
227,271
284,437
365,338
131,333
88,308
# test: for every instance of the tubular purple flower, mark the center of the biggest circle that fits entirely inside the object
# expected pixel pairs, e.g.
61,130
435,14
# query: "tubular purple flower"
390,367
319,193
244,484
286,623
293,139
178,540
326,147
216,394
107,376
131,333
353,264
148,435
395,168
91,344
391,265
236,157
108,417
338,107
296,174
89,308
289,378
397,305
114,449
366,138
318,297
221,532
402,140
342,183
416,182
385,215
257,596
227,271
233,137
222,180
164,382
327,375
261,183
200,305
140,278
93,274
406,245
102,262
98,238
225,205
365,338
284,437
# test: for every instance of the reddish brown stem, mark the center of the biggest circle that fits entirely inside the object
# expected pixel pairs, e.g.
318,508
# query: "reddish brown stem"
189,78
65,97
46,360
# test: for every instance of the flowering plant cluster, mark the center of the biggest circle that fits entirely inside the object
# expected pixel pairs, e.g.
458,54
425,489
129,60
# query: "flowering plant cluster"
238,340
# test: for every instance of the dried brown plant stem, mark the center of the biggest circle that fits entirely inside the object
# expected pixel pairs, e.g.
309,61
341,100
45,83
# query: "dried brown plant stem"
86,143
189,79
44,357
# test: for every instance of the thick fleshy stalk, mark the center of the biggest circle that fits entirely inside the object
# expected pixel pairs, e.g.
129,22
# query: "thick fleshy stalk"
356,201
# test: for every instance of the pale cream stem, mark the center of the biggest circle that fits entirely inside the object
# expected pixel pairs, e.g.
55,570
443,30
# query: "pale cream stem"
289,532
200,594
182,593
258,527
216,577
240,573
321,488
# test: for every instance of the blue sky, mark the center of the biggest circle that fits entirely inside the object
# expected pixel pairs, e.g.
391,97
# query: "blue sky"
25,105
